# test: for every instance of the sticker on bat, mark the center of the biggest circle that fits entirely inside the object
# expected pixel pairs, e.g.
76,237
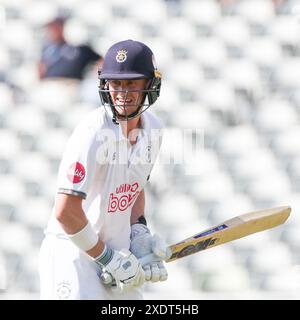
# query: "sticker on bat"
205,233
190,249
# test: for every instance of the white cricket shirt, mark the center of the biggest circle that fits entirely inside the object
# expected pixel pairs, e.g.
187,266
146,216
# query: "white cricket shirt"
101,166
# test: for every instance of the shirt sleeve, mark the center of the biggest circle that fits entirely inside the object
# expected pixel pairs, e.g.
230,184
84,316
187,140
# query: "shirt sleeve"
78,164
89,54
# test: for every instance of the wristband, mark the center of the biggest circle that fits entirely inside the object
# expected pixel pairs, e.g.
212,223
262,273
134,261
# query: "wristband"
85,239
142,220
105,257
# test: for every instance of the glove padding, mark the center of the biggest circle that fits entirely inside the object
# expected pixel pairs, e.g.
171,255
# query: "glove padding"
142,244
125,268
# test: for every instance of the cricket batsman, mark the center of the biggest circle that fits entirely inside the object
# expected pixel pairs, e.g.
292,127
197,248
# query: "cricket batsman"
98,220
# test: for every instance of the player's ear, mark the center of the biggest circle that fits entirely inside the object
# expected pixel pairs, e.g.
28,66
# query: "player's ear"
154,88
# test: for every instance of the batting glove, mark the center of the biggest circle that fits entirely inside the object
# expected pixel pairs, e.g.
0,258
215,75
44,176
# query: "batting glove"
142,244
124,268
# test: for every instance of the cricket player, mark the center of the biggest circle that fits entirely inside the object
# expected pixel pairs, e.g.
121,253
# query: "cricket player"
97,223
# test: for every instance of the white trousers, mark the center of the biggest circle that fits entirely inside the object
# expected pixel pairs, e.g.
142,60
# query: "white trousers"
68,273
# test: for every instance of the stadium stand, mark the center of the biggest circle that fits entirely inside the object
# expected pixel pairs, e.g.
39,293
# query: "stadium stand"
230,70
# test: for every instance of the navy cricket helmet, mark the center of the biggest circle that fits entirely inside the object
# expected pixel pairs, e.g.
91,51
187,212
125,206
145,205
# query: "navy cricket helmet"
126,60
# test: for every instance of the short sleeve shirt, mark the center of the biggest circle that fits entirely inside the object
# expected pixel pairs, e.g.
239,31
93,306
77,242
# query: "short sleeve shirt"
102,167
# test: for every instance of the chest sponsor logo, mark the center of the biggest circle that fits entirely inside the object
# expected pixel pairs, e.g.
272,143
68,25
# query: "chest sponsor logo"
123,197
76,172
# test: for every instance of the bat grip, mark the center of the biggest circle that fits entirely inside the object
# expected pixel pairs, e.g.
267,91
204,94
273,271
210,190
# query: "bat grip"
107,278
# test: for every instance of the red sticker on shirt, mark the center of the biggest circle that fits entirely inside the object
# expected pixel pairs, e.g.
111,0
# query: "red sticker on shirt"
76,172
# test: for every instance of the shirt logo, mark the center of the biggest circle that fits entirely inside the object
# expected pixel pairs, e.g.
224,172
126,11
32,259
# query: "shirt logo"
121,56
76,172
63,290
126,265
123,198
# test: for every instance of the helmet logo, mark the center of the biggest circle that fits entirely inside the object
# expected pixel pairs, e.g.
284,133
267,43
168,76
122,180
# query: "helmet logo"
121,56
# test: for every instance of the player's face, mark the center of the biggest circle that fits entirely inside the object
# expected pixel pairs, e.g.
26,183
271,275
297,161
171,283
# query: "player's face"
126,95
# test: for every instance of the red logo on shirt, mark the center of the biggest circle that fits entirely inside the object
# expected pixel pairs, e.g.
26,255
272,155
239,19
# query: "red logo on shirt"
76,172
128,195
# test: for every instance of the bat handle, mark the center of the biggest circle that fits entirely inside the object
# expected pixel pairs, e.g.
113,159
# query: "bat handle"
107,278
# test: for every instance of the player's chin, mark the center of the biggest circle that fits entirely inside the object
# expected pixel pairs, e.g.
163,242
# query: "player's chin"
125,111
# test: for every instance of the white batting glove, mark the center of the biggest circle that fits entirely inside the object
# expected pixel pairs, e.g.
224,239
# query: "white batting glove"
142,244
124,267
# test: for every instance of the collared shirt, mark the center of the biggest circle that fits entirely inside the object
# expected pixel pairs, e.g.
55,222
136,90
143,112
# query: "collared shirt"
101,166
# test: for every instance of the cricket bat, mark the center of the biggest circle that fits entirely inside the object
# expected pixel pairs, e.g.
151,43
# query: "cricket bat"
229,230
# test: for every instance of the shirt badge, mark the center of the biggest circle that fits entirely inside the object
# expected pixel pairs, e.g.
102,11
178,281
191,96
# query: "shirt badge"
76,172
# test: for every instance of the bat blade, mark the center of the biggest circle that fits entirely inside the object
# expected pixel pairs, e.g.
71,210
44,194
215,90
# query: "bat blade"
229,230
232,229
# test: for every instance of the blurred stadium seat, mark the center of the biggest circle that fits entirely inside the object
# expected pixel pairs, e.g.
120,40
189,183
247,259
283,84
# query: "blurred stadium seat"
121,30
34,212
3,274
53,142
230,70
213,188
233,279
212,262
203,13
185,34
268,187
140,12
265,52
274,116
285,280
287,144
178,288
238,141
248,168
93,13
27,119
21,238
232,206
210,53
9,145
286,29
54,95
270,258
39,12
257,12
223,101
172,207
234,32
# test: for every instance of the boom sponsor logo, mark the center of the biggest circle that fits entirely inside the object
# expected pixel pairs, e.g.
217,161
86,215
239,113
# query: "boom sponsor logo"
124,197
